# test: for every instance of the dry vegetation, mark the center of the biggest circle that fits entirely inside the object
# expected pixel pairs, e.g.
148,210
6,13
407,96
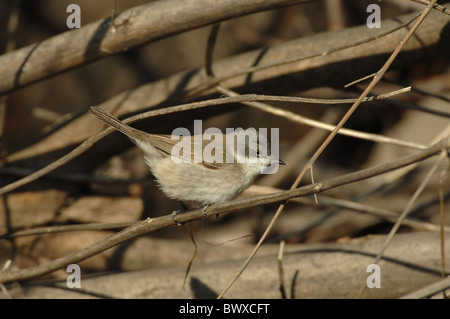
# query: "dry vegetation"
73,192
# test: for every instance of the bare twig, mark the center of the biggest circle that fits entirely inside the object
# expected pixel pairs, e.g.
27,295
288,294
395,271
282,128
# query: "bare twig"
219,79
297,118
72,177
294,283
66,228
114,13
423,92
13,22
210,49
6,265
436,6
429,290
281,270
188,268
179,108
405,213
319,151
442,177
153,224
385,214
344,67
136,26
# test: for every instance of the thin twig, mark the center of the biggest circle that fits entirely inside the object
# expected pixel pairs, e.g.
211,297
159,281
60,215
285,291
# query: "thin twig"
405,213
6,265
138,25
66,228
421,91
281,270
157,223
372,84
11,29
73,177
360,80
194,254
87,144
251,70
385,214
429,290
294,283
297,118
210,49
442,177
436,6
154,93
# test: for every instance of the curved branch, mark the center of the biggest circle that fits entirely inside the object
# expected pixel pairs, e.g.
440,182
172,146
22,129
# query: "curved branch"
308,68
133,27
152,224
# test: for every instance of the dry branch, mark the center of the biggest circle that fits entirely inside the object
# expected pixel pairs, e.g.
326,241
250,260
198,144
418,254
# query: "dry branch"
429,290
309,165
153,224
334,69
136,26
327,270
86,145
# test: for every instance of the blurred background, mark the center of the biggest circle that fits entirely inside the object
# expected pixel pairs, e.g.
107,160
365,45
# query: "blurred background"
35,110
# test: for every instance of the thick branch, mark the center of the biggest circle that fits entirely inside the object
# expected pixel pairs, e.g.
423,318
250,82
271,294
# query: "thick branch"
136,26
334,69
325,270
153,224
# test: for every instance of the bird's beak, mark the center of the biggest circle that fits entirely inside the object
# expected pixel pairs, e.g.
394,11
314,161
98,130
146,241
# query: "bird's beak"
281,162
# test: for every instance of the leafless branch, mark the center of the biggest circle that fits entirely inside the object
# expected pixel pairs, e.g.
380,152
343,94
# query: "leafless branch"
405,213
136,26
436,6
322,147
179,108
311,68
429,290
153,224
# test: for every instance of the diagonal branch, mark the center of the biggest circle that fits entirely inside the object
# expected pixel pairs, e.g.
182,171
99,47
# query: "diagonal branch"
153,224
178,108
136,26
330,137
308,67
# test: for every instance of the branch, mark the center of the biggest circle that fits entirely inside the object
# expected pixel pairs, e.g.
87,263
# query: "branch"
435,6
327,270
310,68
380,73
169,110
133,27
429,290
297,118
152,224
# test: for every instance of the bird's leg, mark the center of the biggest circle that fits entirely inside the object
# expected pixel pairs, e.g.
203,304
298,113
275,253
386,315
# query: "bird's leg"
179,211
204,210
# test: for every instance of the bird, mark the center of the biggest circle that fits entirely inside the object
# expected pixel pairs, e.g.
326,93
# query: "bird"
217,174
